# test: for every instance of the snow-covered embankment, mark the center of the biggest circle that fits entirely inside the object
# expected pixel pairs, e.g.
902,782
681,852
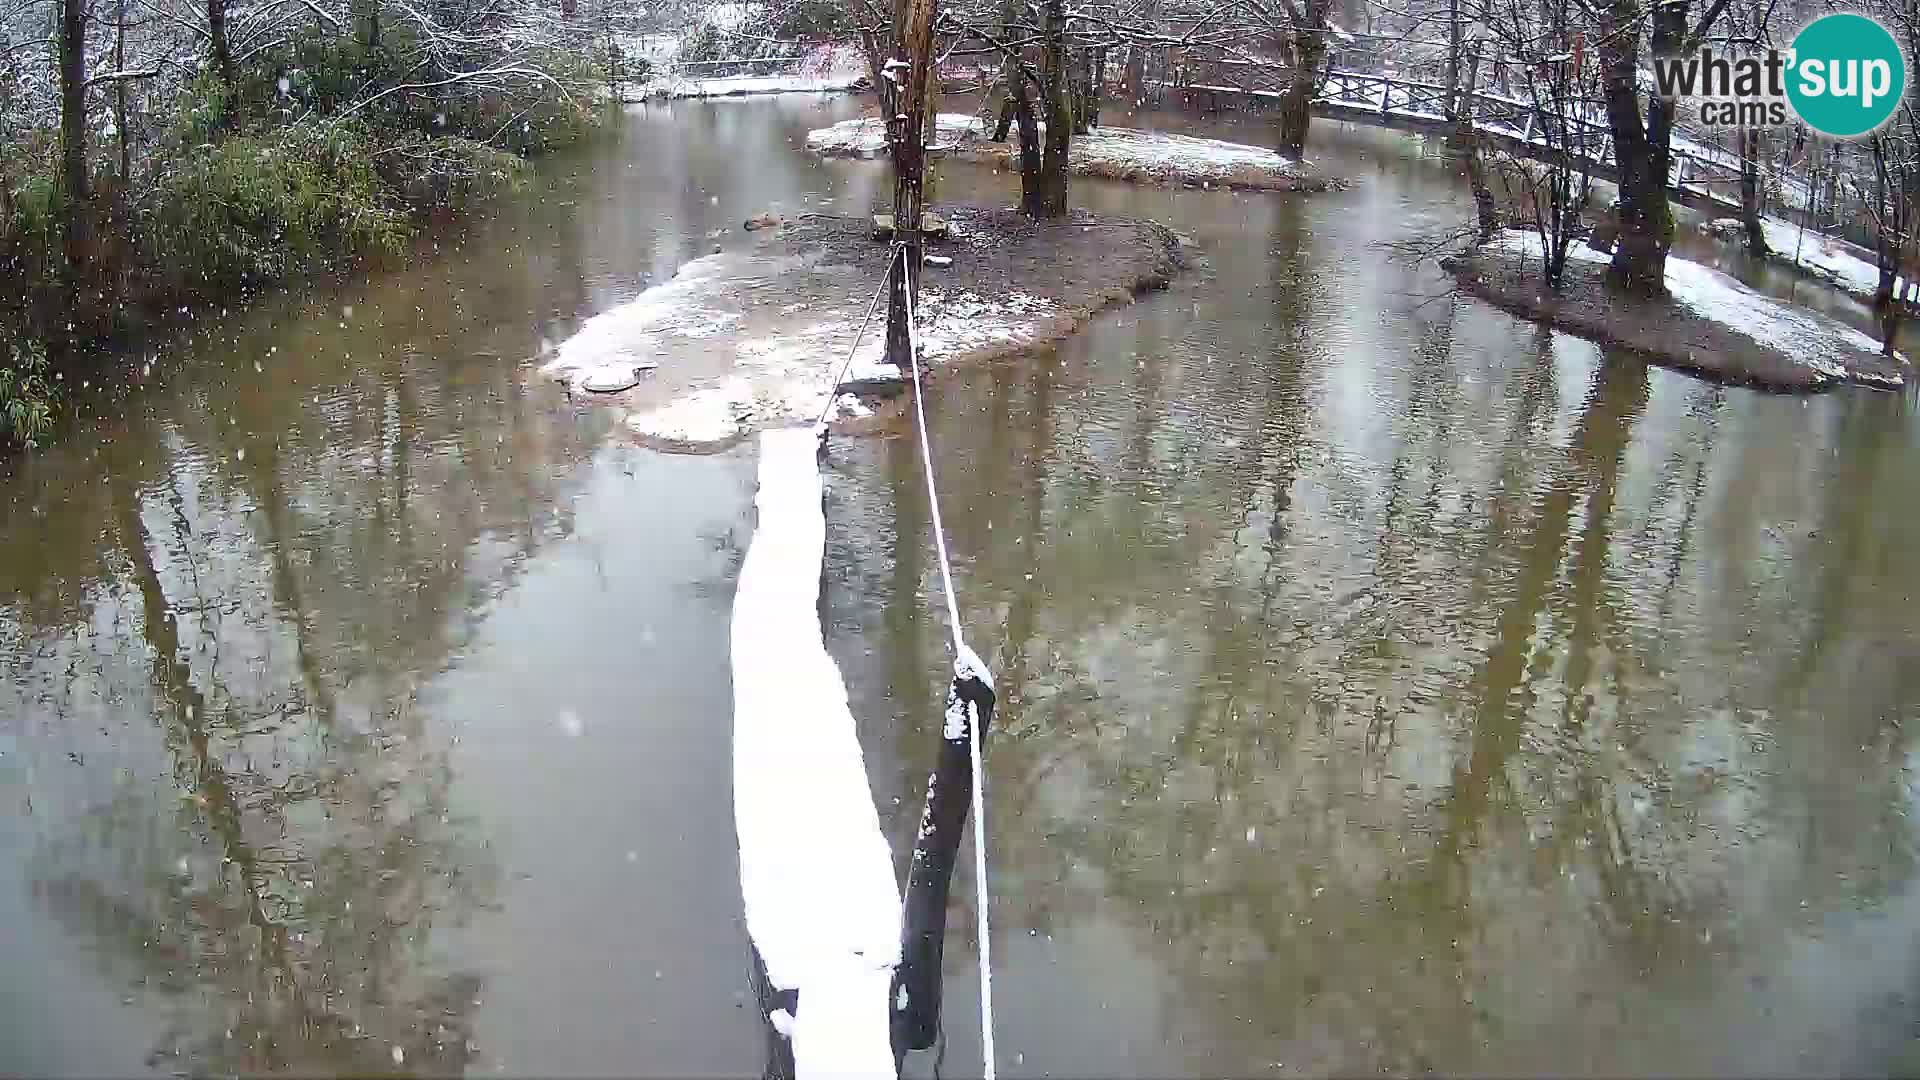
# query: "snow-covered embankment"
1708,322
1846,267
1115,153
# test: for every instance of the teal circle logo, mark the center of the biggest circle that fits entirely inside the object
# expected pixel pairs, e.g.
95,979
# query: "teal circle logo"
1847,75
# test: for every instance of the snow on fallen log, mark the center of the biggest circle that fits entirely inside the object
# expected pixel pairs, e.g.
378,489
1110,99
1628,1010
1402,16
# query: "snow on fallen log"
815,871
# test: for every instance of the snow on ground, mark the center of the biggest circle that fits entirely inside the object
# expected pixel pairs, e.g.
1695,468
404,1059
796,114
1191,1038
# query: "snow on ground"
1183,156
825,69
785,377
1821,256
866,136
1125,153
1530,244
777,365
1814,339
632,334
965,321
816,874
744,85
1824,257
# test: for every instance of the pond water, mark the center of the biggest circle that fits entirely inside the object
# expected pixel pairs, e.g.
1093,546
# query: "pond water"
1385,683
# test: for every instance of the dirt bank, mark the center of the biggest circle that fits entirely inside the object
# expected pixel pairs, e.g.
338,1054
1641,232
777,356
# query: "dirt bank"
1710,324
758,335
1130,154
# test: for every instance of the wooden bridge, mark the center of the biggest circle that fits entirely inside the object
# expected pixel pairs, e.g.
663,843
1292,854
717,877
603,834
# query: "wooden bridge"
1704,178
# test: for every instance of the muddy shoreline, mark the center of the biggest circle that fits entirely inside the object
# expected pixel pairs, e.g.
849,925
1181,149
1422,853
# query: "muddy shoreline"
1664,330
759,334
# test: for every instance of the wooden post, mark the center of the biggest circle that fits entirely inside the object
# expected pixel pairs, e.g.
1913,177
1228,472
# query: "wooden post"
916,985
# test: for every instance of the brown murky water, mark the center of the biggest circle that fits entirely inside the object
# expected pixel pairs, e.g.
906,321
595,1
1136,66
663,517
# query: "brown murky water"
1387,684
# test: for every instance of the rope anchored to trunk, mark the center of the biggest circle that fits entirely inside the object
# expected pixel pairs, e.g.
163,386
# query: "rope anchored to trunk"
969,709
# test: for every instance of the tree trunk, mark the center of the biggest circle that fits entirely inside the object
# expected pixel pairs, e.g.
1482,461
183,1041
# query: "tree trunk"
1296,103
1004,121
906,103
1031,201
1056,94
1453,59
1078,66
1886,245
1887,310
220,53
73,137
120,92
876,65
1096,84
1751,195
1136,75
1010,76
1466,144
1641,150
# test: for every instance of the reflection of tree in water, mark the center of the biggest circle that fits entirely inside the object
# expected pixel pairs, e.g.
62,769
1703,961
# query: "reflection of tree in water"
292,931
270,575
1211,742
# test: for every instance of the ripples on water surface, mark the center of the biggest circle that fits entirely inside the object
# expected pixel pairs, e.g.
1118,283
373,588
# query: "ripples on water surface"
1387,684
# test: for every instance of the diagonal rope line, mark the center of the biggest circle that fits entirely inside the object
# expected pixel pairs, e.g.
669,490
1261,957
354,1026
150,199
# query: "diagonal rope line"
833,388
964,663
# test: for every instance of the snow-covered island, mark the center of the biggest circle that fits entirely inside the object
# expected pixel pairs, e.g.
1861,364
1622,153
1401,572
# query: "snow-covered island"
1708,323
1115,153
759,336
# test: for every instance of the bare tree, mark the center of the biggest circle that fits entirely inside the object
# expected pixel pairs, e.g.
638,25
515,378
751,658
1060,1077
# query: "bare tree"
1549,175
1892,199
1643,143
1304,37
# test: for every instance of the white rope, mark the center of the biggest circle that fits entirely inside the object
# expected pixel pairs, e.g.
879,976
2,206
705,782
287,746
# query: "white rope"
964,663
833,388
926,459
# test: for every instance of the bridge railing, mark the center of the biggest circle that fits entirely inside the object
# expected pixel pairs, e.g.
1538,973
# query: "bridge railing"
1582,132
